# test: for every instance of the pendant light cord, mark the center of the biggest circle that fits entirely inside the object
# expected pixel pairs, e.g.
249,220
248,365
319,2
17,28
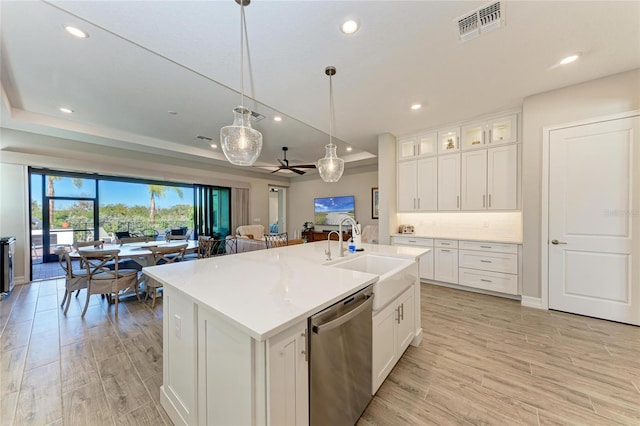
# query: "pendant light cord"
330,109
243,23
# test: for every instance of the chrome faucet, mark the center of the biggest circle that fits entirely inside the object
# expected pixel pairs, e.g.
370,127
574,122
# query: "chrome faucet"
354,231
328,250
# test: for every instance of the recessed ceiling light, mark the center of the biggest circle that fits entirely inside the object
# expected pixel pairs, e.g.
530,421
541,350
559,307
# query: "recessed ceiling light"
76,32
277,118
416,106
350,27
570,59
66,110
349,149
213,145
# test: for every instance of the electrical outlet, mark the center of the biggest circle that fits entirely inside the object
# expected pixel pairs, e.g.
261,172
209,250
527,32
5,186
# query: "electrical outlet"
177,323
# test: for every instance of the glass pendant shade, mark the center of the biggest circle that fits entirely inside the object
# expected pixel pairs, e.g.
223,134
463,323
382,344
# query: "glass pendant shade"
331,166
241,143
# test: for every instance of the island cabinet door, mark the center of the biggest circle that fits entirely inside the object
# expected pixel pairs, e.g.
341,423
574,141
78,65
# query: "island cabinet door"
405,323
384,355
288,377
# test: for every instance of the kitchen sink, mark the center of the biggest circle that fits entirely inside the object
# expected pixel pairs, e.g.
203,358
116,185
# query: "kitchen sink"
395,275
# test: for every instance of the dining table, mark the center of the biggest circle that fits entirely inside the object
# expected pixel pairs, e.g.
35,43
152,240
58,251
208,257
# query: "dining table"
139,252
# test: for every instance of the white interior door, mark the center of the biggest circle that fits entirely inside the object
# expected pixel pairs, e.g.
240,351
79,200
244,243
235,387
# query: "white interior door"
594,215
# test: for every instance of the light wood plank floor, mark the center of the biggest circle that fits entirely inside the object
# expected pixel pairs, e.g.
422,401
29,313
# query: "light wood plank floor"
484,360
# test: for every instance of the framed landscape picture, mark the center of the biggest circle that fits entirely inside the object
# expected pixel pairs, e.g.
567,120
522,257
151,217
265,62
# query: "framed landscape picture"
375,211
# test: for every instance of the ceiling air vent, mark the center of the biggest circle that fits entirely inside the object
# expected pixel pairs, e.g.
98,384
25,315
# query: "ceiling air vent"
256,116
480,21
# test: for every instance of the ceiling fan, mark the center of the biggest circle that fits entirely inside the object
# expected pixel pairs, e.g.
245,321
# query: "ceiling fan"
284,164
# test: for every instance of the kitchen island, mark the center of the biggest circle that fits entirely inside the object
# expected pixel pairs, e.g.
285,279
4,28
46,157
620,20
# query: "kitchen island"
235,330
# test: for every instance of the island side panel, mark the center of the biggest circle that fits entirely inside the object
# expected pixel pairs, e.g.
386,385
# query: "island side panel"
178,391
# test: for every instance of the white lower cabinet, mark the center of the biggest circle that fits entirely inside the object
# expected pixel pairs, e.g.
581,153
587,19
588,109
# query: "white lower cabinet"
288,377
393,330
215,374
446,261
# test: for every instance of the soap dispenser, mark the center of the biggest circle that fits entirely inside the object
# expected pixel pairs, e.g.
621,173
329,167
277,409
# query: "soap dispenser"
357,236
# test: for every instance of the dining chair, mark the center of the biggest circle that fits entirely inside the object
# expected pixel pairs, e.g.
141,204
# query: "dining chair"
127,240
170,237
276,240
74,279
205,246
104,280
163,256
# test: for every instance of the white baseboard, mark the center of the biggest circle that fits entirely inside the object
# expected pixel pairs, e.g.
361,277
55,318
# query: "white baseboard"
532,302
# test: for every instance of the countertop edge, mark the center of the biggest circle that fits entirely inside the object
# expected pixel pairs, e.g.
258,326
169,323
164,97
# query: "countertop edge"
448,237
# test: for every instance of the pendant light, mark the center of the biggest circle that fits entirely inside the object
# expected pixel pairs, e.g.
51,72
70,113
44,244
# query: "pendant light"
241,143
331,166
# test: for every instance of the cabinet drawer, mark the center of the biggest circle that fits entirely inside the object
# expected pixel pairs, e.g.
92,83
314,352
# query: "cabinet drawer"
412,241
486,280
446,243
491,247
497,262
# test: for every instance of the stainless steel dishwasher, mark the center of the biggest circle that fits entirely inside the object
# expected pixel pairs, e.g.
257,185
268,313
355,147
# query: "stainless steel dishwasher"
340,361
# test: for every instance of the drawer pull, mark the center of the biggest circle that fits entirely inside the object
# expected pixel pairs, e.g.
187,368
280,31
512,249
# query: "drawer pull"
485,261
412,241
485,246
486,281
445,244
446,250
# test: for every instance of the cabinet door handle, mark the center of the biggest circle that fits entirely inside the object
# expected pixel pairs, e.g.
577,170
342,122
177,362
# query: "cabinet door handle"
484,199
418,203
490,135
398,314
304,346
402,312
486,281
489,200
485,261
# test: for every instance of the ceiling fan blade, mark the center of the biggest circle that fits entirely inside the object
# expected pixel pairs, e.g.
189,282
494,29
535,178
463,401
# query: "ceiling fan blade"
305,166
276,170
300,172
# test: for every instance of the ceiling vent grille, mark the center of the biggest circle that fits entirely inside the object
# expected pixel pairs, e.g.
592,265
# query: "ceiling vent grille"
255,116
481,20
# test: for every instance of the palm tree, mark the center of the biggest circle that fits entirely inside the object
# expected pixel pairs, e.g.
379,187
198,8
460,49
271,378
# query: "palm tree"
158,191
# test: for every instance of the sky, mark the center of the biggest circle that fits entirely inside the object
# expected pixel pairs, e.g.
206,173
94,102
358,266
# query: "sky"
113,192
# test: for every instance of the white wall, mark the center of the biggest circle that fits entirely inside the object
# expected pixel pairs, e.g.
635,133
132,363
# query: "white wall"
22,149
13,213
388,187
357,182
604,96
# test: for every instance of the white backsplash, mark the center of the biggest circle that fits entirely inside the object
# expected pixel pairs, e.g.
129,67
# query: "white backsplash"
501,226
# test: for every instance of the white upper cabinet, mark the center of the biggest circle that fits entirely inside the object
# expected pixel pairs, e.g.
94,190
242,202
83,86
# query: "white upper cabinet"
490,132
417,146
473,190
417,185
502,178
449,182
449,140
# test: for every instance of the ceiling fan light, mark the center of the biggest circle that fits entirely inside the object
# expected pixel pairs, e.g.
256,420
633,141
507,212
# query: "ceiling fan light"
241,143
331,166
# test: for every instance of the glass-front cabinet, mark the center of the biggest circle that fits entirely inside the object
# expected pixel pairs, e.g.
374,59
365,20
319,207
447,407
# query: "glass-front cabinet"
417,146
449,140
495,131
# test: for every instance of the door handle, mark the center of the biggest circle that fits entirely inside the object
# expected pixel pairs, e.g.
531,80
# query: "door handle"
556,242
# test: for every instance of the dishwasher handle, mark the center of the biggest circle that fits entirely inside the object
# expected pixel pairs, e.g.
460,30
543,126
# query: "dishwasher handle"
344,318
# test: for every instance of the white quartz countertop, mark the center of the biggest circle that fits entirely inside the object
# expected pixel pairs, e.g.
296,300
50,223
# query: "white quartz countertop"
466,235
265,291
